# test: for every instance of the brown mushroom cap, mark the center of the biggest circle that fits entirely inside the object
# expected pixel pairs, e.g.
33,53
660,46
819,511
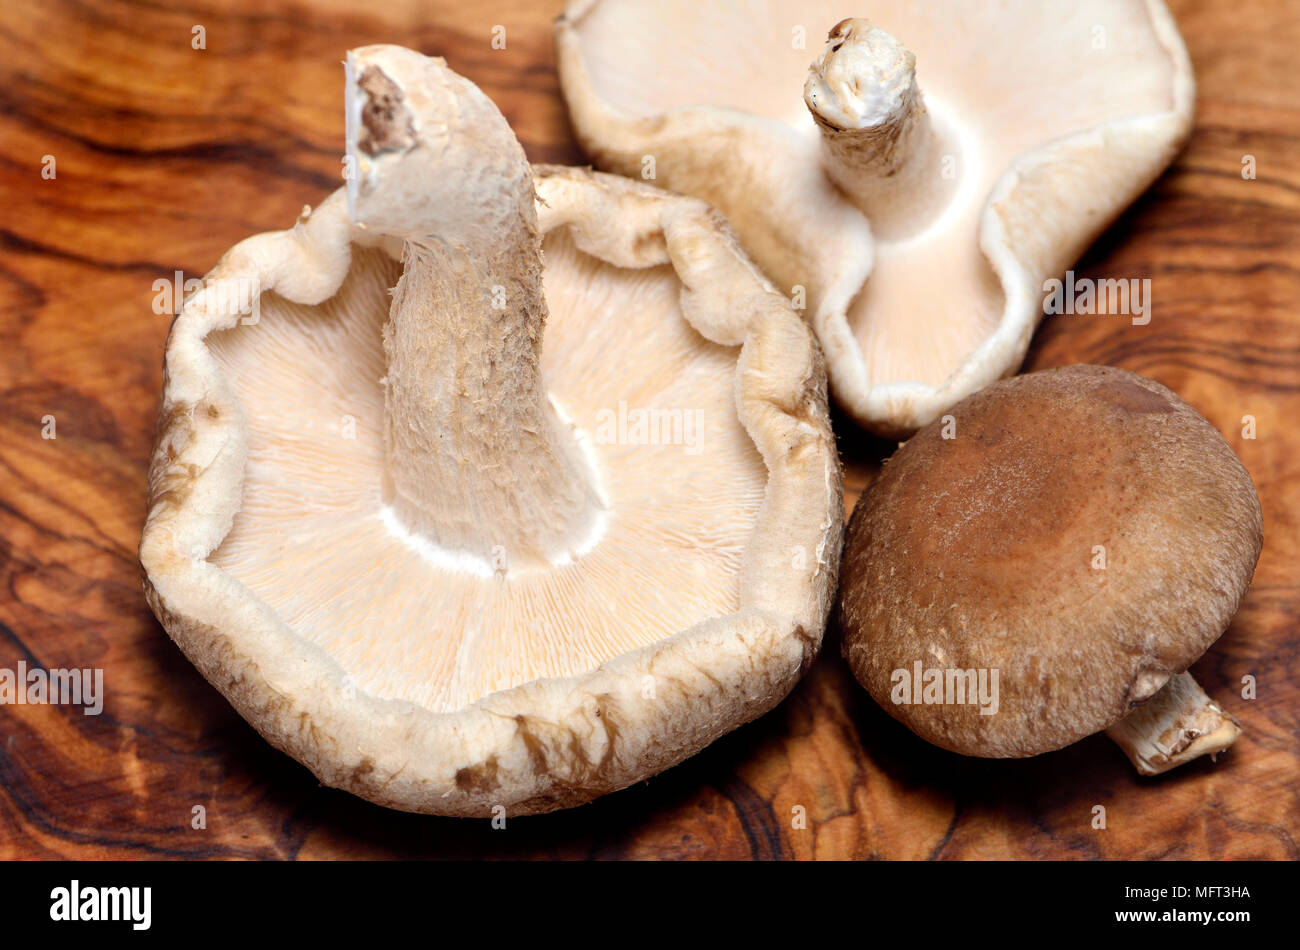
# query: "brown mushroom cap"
980,552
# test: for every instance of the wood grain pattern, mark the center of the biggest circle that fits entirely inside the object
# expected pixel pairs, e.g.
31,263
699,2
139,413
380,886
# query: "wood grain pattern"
167,155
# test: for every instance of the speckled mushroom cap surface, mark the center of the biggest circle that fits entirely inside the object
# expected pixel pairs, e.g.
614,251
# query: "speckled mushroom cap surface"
334,470
1084,532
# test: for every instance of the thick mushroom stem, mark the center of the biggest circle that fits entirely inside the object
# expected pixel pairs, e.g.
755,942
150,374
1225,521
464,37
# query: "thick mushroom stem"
479,462
1179,723
880,143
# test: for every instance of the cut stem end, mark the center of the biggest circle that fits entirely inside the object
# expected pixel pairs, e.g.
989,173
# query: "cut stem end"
1176,725
880,144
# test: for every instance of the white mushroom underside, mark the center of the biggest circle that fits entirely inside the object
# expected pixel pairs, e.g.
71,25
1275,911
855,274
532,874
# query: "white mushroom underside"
311,540
1052,68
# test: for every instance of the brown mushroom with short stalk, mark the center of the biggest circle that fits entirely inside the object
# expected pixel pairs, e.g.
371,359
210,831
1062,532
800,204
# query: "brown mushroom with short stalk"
1045,563
457,565
918,184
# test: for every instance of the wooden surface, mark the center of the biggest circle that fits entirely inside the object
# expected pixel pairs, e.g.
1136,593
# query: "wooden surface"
167,155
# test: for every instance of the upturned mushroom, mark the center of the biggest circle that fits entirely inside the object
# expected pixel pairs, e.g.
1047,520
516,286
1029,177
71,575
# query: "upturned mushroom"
454,565
917,197
1045,563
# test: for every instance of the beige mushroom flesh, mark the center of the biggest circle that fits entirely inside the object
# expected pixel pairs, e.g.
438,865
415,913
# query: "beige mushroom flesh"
1045,563
917,185
467,529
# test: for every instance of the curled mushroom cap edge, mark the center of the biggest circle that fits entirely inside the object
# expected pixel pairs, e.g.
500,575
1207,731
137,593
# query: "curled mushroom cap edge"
543,742
920,202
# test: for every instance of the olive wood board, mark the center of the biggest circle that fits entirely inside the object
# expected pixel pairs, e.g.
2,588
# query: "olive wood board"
166,155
